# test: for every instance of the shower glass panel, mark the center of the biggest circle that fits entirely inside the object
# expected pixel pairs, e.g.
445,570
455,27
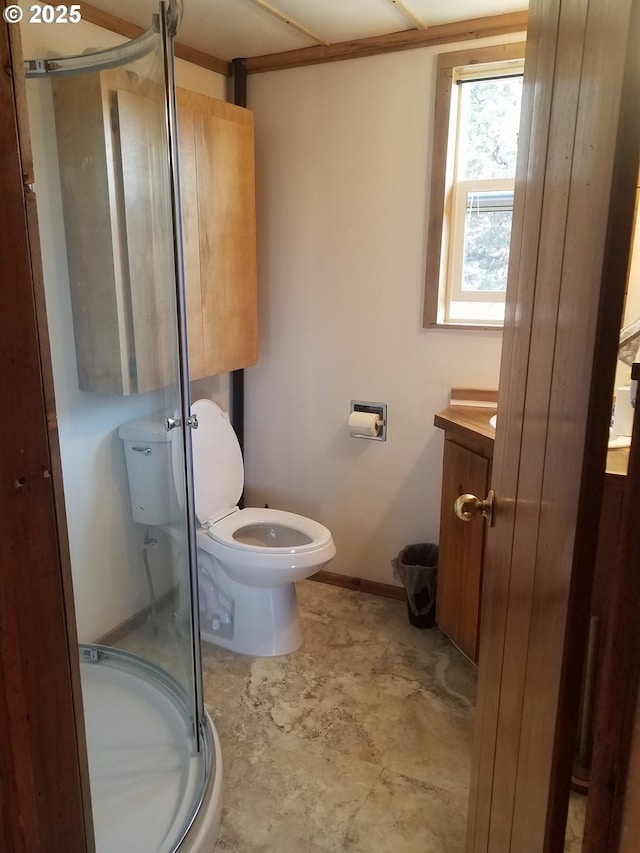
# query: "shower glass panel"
104,182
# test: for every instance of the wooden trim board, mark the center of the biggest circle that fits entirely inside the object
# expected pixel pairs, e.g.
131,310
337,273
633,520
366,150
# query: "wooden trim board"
386,590
476,28
125,28
513,22
136,621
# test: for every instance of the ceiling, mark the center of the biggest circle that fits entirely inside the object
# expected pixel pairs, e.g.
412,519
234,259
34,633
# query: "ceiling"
228,29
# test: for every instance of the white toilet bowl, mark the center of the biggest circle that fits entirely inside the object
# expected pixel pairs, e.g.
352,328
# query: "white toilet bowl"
248,559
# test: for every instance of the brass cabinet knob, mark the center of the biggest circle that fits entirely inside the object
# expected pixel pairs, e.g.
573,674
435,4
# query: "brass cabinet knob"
468,507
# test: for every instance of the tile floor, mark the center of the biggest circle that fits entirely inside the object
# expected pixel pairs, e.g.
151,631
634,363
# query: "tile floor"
359,741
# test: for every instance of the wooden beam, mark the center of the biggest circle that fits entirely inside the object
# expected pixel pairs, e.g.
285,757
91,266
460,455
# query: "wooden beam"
204,60
514,22
109,22
131,31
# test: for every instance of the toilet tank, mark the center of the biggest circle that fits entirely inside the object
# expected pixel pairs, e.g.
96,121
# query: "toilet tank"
147,452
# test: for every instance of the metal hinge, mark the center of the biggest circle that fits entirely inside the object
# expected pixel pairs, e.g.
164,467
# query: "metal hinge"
172,423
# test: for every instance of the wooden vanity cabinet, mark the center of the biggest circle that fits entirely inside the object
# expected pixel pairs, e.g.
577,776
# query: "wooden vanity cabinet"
467,461
110,132
466,469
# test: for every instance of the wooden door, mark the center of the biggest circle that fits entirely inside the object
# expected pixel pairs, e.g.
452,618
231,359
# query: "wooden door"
566,289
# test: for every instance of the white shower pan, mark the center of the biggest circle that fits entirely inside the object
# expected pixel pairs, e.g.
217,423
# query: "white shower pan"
151,790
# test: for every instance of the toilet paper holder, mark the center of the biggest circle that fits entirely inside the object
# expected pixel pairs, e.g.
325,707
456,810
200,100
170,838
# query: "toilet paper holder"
378,409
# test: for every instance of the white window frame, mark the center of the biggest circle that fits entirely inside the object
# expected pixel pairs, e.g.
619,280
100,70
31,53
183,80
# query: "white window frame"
447,209
460,191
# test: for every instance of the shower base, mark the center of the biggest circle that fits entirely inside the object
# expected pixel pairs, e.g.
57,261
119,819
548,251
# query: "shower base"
151,791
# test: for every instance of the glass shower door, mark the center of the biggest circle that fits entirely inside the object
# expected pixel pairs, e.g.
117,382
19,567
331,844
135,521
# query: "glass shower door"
102,126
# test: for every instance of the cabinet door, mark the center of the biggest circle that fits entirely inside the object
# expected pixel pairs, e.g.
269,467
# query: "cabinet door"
111,137
218,179
106,125
461,549
85,155
147,259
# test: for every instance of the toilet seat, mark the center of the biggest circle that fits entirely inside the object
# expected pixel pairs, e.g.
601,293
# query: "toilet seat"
269,531
219,479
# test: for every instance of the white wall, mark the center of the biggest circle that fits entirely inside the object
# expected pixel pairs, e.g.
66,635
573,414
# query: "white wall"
342,170
342,160
108,574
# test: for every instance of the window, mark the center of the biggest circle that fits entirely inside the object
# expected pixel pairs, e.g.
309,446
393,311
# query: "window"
477,116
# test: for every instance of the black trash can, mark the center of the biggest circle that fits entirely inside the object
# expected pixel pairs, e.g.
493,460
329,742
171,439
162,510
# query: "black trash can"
416,566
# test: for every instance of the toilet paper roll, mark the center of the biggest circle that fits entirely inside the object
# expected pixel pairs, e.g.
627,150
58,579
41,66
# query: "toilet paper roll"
623,412
364,423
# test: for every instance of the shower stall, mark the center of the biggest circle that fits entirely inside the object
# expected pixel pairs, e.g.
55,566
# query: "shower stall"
103,133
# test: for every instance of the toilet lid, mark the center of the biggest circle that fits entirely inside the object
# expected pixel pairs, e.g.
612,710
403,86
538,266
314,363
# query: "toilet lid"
218,471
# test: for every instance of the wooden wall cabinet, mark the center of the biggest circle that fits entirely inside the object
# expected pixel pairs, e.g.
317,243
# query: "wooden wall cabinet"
110,134
218,205
466,469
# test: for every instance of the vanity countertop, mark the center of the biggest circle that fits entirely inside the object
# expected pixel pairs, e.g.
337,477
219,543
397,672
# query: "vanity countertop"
472,422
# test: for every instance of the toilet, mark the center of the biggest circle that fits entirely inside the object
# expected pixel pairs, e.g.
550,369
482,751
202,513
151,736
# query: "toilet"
248,559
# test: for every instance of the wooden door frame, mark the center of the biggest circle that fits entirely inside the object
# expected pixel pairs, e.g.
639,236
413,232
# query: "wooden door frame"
617,696
44,783
576,176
